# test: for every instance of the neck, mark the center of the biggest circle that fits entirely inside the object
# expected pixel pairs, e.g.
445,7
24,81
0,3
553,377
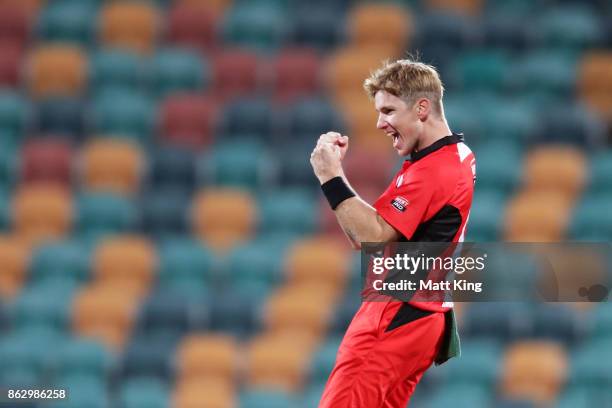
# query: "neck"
433,130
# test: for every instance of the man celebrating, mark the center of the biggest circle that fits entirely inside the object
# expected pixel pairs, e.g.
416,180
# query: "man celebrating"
389,345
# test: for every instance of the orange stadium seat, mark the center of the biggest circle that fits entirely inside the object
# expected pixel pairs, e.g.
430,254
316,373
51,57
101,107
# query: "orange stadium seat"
14,260
555,168
57,70
295,73
595,81
361,117
42,212
105,313
127,261
188,120
222,218
535,371
207,356
466,7
112,164
537,217
375,25
193,25
10,63
318,261
277,362
236,73
131,25
209,393
46,161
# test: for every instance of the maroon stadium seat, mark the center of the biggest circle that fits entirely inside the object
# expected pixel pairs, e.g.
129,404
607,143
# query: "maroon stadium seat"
193,25
10,63
46,160
295,73
14,24
188,120
236,73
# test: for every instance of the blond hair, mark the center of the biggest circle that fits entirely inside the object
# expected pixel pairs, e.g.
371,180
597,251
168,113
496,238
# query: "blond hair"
409,80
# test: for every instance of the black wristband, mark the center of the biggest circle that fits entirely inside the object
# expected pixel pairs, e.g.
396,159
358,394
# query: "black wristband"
336,191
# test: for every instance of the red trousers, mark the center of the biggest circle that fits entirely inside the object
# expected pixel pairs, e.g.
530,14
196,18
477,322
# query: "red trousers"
384,353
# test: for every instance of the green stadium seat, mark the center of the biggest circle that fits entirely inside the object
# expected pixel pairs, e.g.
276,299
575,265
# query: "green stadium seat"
451,32
5,209
479,365
592,219
14,111
577,398
9,163
257,26
83,358
323,361
46,306
306,119
569,27
165,212
60,116
602,321
288,211
123,114
460,396
294,165
496,171
175,70
60,261
483,70
144,393
243,164
67,22
267,399
601,172
172,167
486,216
461,119
571,123
557,322
100,214
318,26
505,284
520,8
344,313
185,264
236,312
544,75
586,368
504,321
148,355
247,118
506,31
83,392
312,396
508,120
117,69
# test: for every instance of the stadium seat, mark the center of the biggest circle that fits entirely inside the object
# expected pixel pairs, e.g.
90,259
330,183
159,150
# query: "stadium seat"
175,70
193,25
591,219
319,26
557,322
600,174
534,371
461,119
504,321
46,161
460,396
44,306
569,27
497,172
295,74
14,111
236,73
236,311
506,31
544,75
507,120
185,265
144,392
5,209
486,216
537,217
148,355
247,118
133,26
117,69
463,7
100,214
306,119
258,26
243,164
10,64
83,392
262,398
188,121
9,164
555,168
276,362
123,114
84,358
105,314
219,7
57,70
42,212
127,261
375,25
586,368
60,261
223,218
572,124
601,320
323,361
369,168
164,212
361,118
207,355
60,117
15,24
595,81
479,366
14,255
287,211
172,168
208,393
67,22
111,165
484,71
294,168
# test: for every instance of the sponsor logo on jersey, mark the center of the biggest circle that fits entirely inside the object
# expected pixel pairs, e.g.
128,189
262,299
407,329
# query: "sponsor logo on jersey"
400,203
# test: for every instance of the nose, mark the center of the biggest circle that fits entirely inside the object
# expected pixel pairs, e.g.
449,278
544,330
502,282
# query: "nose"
381,123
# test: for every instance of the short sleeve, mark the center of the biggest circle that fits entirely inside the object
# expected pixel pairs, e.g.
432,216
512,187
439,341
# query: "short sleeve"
404,206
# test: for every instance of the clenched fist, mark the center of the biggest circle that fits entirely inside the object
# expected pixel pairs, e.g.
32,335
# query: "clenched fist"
327,156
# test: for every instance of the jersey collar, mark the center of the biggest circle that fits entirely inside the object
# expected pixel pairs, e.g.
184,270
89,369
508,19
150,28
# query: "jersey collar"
438,144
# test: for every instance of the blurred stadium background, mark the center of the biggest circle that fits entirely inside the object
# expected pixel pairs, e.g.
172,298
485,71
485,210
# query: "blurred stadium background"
164,242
